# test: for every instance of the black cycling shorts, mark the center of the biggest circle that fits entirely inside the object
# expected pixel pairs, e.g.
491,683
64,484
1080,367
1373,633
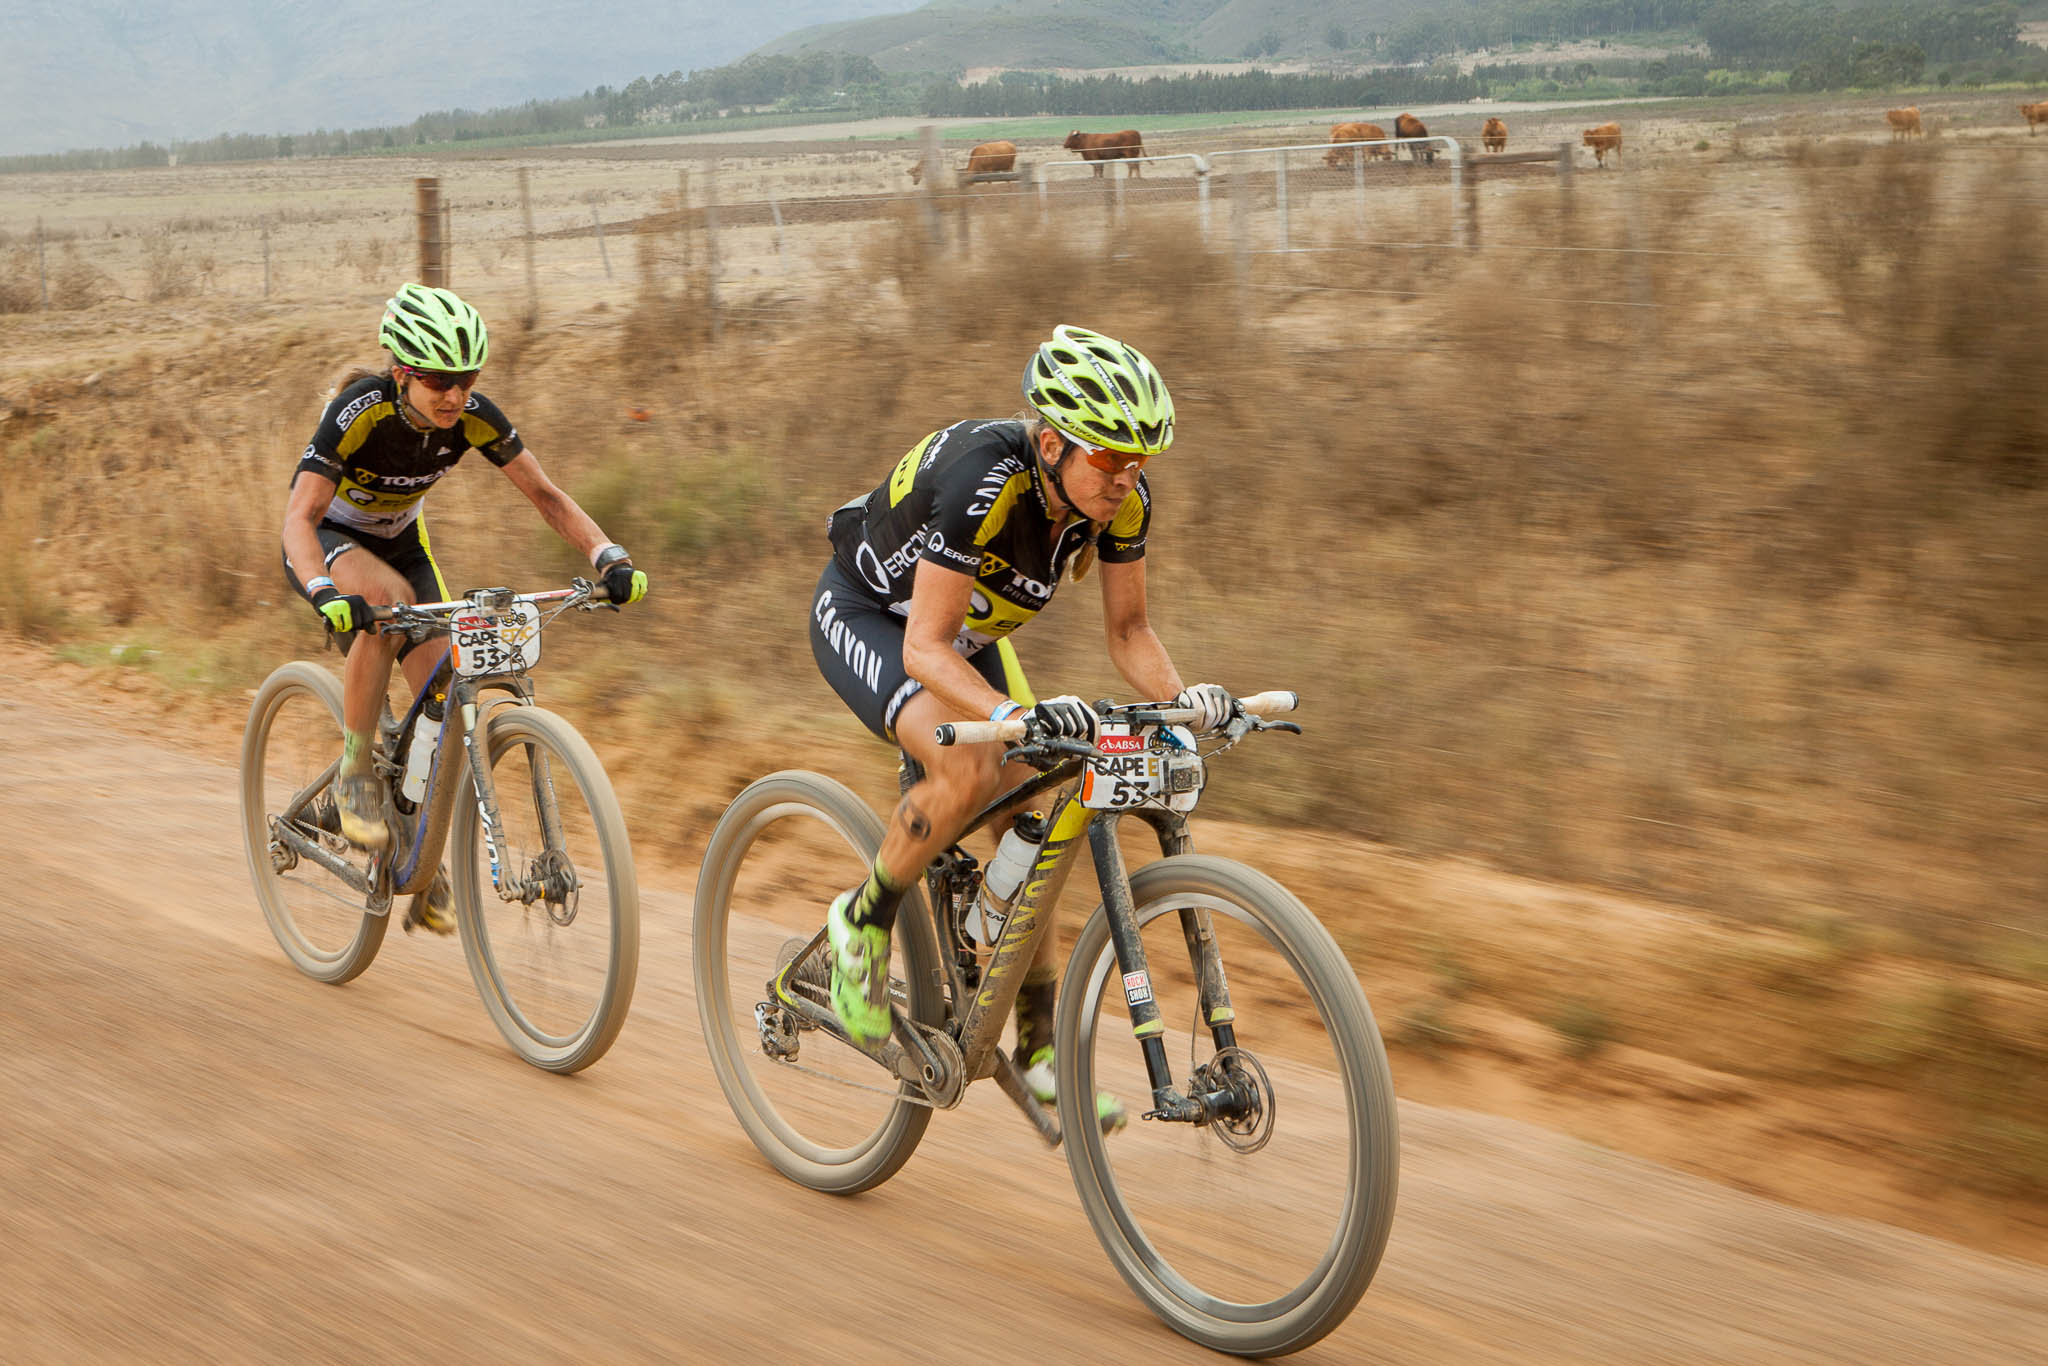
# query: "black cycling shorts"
408,552
858,644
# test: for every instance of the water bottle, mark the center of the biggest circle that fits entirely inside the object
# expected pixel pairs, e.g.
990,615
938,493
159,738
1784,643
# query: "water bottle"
426,738
983,923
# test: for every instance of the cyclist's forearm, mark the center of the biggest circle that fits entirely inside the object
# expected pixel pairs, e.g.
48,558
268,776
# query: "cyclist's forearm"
1140,657
951,679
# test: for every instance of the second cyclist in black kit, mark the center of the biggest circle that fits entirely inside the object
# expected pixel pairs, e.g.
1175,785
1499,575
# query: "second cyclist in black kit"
963,543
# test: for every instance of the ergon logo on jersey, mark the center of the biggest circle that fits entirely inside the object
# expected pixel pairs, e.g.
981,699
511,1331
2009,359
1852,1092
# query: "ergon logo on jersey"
354,410
937,542
313,454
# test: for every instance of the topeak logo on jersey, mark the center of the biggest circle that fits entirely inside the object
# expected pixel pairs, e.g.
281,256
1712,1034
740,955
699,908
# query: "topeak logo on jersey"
398,481
1030,586
355,410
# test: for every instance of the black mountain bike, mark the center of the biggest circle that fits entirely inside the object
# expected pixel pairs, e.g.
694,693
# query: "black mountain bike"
1250,1204
513,793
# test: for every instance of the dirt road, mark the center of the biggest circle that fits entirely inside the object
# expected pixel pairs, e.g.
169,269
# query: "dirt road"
207,1157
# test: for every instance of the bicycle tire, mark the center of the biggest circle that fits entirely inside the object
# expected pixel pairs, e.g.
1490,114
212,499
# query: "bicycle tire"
523,957
348,936
1250,910
726,954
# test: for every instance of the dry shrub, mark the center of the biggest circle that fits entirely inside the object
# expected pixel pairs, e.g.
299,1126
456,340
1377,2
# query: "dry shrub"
168,271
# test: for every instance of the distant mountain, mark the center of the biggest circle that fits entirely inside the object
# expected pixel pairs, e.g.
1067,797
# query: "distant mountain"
112,73
951,35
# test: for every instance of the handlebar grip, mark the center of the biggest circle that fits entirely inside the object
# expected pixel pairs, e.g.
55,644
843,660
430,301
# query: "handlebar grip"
1270,703
979,732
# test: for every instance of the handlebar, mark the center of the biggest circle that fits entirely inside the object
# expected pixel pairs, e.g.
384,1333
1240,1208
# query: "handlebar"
1014,728
580,593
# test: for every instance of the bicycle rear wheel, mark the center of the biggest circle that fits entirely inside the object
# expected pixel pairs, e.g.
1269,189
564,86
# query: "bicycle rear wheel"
823,1113
1253,1236
292,738
557,966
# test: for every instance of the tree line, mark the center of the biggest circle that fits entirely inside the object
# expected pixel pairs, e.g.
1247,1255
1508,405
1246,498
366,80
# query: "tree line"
1018,94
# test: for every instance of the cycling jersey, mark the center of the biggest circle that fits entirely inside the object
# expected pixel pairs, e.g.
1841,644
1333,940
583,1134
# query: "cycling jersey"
383,465
969,497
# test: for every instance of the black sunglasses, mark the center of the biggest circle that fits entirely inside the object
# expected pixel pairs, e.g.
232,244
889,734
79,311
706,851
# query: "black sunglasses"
441,381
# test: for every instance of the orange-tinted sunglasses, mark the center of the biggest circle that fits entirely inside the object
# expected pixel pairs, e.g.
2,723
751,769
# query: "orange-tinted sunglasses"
1108,461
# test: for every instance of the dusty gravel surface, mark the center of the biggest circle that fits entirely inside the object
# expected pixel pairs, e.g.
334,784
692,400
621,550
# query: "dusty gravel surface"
208,1157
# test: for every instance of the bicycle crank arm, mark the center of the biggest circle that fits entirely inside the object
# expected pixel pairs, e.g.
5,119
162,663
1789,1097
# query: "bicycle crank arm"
1011,1080
312,849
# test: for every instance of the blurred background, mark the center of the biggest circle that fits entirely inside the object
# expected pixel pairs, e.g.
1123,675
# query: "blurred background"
1657,550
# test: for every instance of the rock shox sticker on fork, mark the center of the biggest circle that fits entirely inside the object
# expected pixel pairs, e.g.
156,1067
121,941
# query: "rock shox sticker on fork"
1137,988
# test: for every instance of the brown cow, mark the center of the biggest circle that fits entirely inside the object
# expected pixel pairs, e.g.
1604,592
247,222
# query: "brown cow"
1905,122
2036,113
1355,132
1100,147
1494,135
985,159
1408,126
1604,139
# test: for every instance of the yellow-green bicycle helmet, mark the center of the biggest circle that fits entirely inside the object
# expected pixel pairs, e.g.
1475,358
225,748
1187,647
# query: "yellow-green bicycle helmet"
430,329
1097,390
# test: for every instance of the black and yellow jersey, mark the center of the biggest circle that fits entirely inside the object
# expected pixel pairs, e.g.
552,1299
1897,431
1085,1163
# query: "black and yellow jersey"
383,465
968,497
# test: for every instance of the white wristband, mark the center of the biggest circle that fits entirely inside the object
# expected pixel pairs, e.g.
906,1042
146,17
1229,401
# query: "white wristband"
315,585
1006,708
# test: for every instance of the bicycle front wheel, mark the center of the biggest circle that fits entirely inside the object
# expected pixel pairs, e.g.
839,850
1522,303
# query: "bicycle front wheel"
556,954
289,747
1256,1234
823,1113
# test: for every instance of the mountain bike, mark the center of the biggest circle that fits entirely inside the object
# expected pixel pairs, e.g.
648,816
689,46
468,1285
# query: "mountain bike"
511,791
1249,1206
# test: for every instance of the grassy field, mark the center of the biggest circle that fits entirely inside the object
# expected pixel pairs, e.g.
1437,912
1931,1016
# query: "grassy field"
1682,544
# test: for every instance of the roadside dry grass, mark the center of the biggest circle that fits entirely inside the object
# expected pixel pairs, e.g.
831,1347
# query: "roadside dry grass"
1710,576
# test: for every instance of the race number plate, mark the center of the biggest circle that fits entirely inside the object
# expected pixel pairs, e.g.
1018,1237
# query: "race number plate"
1127,773
497,644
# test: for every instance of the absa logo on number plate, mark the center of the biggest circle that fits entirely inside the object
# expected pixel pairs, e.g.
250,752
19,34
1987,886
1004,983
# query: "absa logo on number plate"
1137,988
1120,744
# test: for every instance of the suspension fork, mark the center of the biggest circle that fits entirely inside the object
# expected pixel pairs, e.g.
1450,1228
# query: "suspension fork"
475,717
1200,936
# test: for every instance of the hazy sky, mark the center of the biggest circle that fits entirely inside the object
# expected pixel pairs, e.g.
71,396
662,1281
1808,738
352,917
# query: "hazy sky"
111,73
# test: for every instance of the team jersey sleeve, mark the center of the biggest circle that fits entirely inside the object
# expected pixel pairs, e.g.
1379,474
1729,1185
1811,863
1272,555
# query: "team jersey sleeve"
1123,540
962,494
490,432
322,455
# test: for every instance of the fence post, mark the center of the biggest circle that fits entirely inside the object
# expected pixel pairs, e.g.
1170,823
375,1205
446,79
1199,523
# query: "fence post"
427,217
266,256
597,226
448,242
1280,194
932,168
683,211
1202,199
526,221
1118,173
711,249
42,266
1240,231
1471,174
775,212
1358,182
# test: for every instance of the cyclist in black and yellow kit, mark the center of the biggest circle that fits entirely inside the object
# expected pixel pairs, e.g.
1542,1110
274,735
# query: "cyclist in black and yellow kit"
385,439
962,544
